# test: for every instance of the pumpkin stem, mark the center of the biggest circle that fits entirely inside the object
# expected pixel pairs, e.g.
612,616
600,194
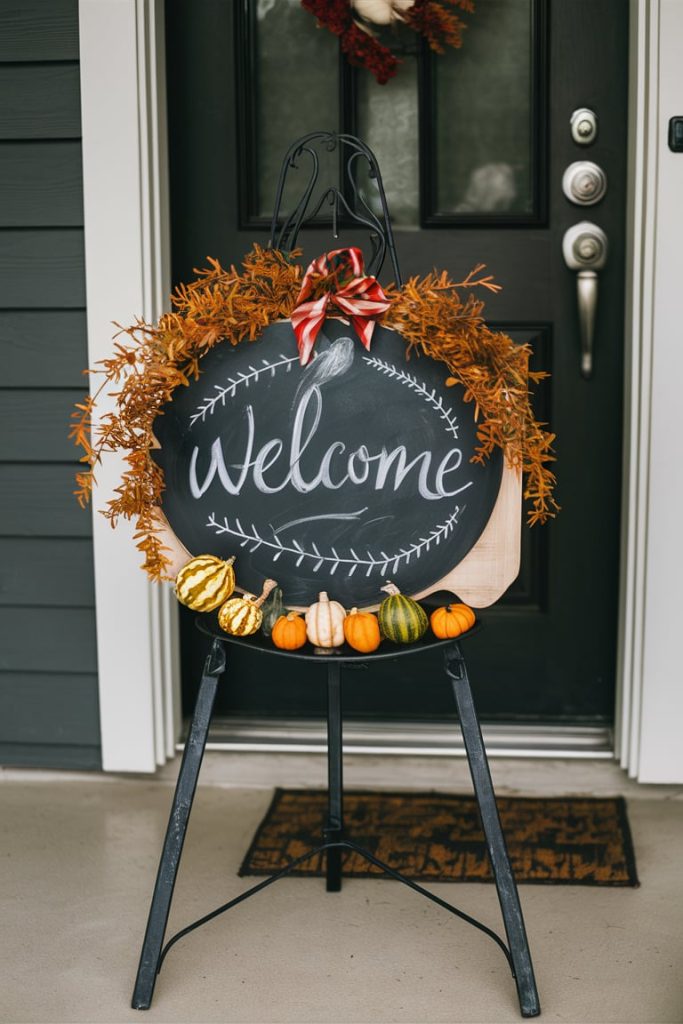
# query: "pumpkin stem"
291,616
391,589
322,596
229,561
267,587
354,611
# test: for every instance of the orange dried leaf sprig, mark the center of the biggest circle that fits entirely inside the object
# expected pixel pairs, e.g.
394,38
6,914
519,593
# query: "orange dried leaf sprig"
156,359
432,317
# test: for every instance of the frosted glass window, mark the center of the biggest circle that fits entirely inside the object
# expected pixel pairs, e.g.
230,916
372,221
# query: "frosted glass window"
483,102
297,91
388,121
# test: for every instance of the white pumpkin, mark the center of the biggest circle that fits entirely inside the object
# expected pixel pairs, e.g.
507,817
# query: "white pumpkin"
325,622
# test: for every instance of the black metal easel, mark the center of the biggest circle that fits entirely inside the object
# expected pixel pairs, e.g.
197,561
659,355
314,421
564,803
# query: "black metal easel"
335,840
347,204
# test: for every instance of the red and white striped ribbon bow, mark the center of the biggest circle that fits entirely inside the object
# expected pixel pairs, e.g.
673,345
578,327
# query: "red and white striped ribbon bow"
351,291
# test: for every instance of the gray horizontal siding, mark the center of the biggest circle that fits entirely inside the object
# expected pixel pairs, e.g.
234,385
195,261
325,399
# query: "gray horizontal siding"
41,184
46,571
43,348
52,755
38,501
40,101
42,269
38,30
48,640
48,660
34,425
27,709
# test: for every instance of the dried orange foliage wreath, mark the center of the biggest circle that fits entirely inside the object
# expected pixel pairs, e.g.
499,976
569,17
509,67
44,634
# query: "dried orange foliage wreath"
151,360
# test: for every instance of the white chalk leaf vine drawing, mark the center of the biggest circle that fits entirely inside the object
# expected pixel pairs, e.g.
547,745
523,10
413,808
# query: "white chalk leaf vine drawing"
378,562
240,379
411,381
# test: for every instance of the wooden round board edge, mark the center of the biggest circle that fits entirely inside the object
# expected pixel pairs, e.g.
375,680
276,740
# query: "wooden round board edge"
483,575
488,569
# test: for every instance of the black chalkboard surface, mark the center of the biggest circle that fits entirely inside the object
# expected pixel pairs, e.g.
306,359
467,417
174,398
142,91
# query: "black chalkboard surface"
337,476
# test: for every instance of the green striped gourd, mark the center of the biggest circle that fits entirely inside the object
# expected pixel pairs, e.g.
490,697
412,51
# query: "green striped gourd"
400,618
205,582
242,616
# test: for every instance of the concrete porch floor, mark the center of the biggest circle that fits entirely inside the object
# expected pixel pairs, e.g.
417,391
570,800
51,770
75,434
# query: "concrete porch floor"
79,854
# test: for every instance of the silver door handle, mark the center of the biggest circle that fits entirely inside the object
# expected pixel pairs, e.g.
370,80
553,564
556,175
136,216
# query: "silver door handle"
584,247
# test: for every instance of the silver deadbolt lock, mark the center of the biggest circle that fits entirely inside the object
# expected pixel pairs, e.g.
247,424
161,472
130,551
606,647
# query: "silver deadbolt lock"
584,183
584,126
584,248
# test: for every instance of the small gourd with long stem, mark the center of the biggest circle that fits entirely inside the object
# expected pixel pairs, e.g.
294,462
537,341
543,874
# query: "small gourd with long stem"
242,616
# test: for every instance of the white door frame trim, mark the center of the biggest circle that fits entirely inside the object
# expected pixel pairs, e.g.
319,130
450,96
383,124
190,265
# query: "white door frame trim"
638,357
127,261
650,697
125,195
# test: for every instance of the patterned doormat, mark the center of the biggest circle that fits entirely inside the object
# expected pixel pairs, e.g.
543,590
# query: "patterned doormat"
436,837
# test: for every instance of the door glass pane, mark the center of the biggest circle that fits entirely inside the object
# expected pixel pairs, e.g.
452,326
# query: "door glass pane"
388,123
484,114
296,85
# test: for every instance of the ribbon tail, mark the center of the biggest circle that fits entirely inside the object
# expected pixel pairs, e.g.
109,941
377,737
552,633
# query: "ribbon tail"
364,328
306,321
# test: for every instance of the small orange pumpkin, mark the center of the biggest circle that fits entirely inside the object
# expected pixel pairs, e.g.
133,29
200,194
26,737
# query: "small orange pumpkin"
452,620
361,630
289,632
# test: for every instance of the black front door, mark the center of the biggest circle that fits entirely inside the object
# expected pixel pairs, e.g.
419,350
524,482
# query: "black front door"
473,146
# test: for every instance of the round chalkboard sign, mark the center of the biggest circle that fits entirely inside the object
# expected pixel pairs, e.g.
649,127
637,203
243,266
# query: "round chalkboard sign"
338,476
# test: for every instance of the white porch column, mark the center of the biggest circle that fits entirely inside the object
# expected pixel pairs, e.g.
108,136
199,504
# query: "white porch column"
127,274
651,707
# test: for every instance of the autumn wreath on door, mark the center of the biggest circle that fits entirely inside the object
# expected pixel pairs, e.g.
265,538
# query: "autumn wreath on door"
314,427
367,29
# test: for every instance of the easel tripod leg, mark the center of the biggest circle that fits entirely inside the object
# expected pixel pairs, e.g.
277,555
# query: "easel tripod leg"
495,840
177,827
335,811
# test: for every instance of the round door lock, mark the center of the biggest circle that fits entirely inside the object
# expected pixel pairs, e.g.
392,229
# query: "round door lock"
585,246
584,126
584,183
589,250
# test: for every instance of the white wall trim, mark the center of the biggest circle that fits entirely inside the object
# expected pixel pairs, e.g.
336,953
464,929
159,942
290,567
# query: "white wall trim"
125,197
660,752
650,705
637,357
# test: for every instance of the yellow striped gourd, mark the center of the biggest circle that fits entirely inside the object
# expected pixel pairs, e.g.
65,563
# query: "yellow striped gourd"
242,616
205,582
400,618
